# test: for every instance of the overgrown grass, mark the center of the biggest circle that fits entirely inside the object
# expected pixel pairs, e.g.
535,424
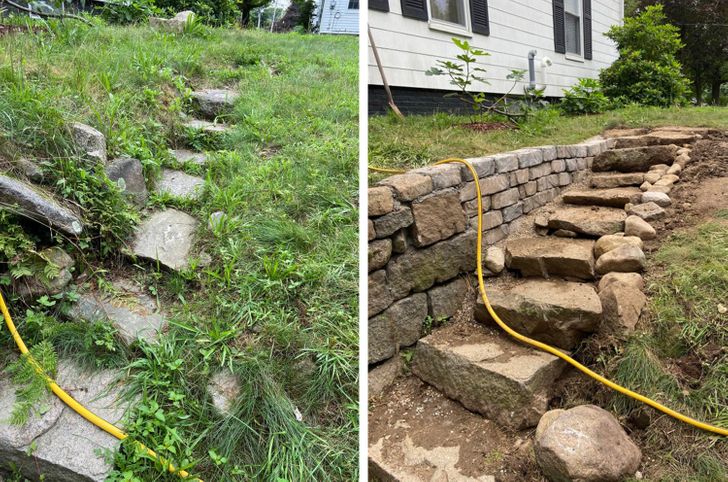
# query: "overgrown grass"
417,141
278,304
680,358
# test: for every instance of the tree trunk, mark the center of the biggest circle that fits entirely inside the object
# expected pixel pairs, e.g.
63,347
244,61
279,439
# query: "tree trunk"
698,89
715,91
245,10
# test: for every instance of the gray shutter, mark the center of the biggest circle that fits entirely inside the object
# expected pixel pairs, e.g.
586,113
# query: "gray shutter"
416,9
559,29
587,29
381,5
479,16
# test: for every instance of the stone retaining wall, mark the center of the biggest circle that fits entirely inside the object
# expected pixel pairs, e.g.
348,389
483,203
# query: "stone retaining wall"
422,228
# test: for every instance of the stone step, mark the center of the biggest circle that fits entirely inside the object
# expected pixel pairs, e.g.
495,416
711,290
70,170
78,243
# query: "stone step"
131,311
589,221
214,102
548,256
39,205
186,156
488,373
180,185
166,237
206,127
560,313
615,197
65,447
634,159
616,179
657,138
418,434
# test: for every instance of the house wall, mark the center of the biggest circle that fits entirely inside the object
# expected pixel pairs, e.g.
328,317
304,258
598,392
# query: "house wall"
339,19
409,47
423,227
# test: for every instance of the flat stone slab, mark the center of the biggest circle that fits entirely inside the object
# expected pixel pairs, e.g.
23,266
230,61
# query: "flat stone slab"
186,156
589,221
615,197
648,211
657,138
605,181
418,434
181,185
214,102
547,257
66,446
488,373
131,311
207,127
167,237
634,159
39,205
559,313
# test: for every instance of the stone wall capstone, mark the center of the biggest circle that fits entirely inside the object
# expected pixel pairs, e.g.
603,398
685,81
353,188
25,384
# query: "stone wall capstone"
422,228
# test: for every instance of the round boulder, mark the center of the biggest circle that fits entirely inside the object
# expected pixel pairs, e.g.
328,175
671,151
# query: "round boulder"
585,444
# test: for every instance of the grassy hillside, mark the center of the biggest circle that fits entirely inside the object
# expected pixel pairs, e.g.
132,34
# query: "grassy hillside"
278,303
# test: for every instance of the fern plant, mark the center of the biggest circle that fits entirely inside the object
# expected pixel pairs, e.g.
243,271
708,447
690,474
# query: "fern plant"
32,388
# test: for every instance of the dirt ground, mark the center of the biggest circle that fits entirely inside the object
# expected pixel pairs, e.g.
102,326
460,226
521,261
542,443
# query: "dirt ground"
700,194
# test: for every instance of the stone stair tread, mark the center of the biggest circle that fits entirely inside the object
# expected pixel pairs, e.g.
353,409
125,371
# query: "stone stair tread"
616,197
590,221
214,102
166,237
550,256
488,373
207,126
634,159
616,179
66,446
180,184
416,433
656,138
560,313
186,156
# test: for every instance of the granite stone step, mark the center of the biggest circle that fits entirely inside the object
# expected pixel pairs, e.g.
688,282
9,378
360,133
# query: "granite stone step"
166,237
616,179
214,102
207,127
614,197
180,185
488,373
65,446
549,256
186,156
634,159
560,313
589,221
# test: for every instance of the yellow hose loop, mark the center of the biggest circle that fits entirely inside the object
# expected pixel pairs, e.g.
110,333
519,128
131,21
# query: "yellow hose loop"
550,349
73,403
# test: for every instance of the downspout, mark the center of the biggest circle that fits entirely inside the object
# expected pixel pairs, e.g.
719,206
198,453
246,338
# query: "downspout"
531,70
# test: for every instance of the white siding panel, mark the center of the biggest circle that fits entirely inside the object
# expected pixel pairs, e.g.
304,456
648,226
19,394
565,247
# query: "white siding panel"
409,47
336,17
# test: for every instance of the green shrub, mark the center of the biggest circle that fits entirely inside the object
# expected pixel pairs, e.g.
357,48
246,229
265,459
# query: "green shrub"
647,70
129,12
586,97
214,12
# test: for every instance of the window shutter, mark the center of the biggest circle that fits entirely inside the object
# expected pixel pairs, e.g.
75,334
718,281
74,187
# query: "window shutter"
381,5
479,16
559,32
587,29
416,9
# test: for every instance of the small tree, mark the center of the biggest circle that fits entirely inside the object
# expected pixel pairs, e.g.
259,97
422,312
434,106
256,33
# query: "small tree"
647,70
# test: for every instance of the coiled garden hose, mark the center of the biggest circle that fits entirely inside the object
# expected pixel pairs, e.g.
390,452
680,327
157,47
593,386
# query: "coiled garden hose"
73,404
544,346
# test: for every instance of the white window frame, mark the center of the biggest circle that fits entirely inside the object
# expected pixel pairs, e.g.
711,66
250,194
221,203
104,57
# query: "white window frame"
570,55
449,27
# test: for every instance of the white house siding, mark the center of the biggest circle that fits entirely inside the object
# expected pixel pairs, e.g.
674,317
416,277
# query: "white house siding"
340,18
409,47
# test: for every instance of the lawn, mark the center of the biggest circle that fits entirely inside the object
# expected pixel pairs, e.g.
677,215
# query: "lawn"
278,304
418,140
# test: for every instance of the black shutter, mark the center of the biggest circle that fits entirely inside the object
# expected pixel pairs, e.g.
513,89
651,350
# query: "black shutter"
381,5
587,30
479,16
416,9
559,32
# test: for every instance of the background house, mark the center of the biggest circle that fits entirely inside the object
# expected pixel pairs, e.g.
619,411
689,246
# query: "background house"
411,35
339,17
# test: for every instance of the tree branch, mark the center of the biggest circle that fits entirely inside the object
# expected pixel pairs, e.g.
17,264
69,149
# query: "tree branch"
43,14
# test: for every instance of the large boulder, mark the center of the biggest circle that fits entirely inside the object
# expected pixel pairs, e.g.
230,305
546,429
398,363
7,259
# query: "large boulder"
39,205
89,141
214,102
636,226
614,241
625,259
585,444
635,159
622,303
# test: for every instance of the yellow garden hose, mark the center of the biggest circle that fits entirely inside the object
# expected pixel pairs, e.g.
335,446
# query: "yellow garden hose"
550,349
73,403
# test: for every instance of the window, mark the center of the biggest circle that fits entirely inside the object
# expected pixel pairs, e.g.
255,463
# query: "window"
572,26
450,11
353,4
